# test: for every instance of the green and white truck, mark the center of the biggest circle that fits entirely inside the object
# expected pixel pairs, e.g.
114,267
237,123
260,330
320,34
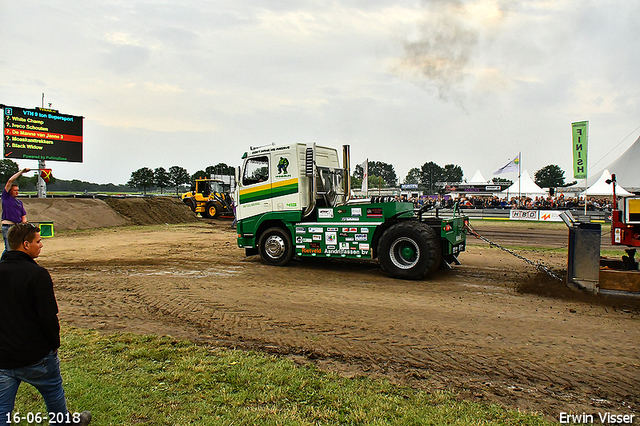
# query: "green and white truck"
294,200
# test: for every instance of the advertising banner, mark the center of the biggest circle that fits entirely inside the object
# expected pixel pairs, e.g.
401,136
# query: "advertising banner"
537,215
550,215
580,131
523,214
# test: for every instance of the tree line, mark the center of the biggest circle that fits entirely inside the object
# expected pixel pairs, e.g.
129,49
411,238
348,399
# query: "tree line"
145,178
430,176
29,183
433,178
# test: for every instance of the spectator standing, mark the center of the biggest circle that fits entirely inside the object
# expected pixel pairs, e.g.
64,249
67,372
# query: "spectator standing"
12,209
235,217
29,328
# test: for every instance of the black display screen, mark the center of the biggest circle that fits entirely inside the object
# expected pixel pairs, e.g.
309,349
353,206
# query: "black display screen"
41,134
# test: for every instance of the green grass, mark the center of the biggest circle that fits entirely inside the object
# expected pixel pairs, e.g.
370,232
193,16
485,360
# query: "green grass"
149,380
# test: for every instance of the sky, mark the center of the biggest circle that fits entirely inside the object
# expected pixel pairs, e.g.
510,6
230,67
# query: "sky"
195,83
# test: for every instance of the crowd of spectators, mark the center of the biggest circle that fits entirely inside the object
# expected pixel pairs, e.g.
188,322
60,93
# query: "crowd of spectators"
559,202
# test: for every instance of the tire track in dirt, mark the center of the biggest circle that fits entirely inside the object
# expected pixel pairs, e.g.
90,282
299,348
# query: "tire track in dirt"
465,330
183,305
379,352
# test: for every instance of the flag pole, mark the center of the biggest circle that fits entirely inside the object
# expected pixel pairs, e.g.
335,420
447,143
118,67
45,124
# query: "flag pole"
586,178
40,183
365,178
586,189
519,177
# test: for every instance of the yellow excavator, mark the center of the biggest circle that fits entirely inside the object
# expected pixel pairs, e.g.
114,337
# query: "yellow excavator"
208,198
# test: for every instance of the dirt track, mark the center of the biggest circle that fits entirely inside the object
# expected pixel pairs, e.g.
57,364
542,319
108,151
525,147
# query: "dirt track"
469,329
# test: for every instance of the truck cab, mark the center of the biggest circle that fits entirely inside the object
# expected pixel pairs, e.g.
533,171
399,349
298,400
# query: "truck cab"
293,200
276,179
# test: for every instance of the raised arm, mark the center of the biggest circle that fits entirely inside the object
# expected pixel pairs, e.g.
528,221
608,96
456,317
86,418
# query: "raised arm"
13,178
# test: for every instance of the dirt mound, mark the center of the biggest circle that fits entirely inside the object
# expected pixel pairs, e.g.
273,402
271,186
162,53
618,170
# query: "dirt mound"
73,213
87,213
152,211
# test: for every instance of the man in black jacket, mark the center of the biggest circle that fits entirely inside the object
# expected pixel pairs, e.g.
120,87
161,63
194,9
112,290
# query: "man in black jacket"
29,328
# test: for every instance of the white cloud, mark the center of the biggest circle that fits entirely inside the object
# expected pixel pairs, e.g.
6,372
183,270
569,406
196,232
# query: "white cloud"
164,80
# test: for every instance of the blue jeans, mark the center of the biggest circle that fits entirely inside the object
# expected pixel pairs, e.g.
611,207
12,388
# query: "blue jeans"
5,232
43,375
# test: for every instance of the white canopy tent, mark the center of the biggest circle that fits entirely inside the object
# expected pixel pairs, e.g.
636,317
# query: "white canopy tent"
603,189
626,168
525,186
477,179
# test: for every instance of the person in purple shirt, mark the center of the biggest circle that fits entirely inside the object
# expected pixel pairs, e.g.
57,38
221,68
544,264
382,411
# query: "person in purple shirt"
12,209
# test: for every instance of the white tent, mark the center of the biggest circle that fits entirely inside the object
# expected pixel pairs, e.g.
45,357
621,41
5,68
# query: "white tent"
626,168
527,188
602,188
477,179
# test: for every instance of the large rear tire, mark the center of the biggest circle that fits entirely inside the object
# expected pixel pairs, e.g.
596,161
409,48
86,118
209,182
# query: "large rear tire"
275,246
409,250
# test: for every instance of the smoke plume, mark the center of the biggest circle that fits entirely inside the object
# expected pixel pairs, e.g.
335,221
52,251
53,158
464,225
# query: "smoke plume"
437,60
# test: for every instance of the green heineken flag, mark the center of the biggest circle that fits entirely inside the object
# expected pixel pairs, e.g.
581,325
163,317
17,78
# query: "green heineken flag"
580,132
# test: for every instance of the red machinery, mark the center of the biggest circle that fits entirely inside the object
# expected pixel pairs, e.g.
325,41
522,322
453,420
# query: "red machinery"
625,225
622,276
587,269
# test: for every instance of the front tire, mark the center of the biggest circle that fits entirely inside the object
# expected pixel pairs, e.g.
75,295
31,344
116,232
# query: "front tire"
275,246
212,210
409,250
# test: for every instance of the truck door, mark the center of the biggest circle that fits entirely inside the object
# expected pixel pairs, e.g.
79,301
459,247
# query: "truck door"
255,187
284,178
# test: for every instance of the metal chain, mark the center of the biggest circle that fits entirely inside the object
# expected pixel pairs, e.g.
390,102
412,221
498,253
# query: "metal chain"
538,265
